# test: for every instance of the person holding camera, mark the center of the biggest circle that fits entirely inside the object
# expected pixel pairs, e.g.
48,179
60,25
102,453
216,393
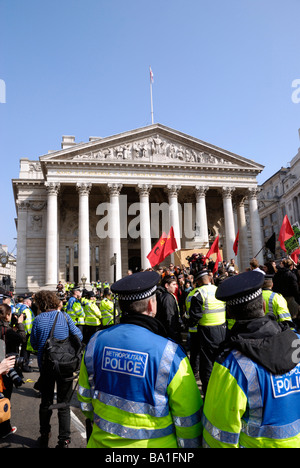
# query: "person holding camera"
12,338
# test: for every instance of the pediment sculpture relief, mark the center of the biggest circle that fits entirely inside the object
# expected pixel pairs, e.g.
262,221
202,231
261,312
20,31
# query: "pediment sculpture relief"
154,149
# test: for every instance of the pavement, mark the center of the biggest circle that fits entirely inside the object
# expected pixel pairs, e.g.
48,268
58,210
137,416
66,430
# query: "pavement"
25,404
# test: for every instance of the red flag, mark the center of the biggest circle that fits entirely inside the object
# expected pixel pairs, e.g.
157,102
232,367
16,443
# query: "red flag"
214,249
286,232
156,254
236,243
295,255
218,260
164,247
171,244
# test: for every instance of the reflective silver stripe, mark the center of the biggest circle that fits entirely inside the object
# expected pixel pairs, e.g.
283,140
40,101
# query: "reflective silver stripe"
271,303
215,311
132,406
222,436
129,432
189,443
273,432
85,392
187,421
86,406
160,391
254,392
285,315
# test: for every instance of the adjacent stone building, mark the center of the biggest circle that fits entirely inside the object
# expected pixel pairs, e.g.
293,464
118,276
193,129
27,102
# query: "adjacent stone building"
79,206
279,196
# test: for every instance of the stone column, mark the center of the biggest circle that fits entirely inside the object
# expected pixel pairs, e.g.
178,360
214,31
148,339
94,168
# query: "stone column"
145,226
257,245
229,221
115,229
84,232
243,249
21,280
173,191
52,235
71,264
201,236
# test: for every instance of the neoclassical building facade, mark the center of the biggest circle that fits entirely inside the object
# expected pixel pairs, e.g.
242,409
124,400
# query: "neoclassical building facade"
87,204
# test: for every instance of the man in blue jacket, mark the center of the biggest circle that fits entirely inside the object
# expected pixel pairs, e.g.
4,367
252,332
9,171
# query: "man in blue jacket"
49,305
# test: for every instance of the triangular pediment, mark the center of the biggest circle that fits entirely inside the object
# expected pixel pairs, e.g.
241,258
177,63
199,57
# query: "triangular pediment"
155,144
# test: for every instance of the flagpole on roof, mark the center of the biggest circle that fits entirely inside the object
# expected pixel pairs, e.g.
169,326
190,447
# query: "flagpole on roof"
151,81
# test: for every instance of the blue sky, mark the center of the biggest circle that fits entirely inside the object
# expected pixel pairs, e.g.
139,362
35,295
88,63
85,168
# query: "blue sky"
223,73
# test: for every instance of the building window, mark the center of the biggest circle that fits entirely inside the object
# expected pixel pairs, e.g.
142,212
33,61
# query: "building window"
274,217
97,254
76,251
67,255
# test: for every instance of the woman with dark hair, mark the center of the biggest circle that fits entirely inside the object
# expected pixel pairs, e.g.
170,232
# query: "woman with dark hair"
49,306
13,338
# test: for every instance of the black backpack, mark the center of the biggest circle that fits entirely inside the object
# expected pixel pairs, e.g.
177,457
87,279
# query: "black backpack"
63,357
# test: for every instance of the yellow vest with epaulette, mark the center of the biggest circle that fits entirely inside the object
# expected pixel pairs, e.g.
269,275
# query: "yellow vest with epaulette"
187,308
107,312
213,309
92,313
276,304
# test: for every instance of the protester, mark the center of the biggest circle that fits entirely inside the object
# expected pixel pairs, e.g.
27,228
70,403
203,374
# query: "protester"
285,282
168,312
49,305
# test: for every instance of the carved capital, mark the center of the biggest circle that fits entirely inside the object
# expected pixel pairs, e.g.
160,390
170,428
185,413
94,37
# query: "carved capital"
227,192
22,205
114,189
201,191
83,188
253,192
144,189
173,190
52,187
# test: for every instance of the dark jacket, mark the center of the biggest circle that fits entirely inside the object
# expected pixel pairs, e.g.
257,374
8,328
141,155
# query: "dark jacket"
168,314
285,282
13,337
263,340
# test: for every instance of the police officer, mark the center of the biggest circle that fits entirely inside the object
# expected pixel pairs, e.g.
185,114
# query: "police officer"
208,313
106,307
134,381
276,304
92,316
75,309
29,317
253,396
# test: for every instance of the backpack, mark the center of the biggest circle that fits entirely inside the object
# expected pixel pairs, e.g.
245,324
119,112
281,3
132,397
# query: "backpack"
63,357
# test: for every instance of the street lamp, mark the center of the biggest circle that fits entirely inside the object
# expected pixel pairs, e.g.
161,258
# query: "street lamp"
83,280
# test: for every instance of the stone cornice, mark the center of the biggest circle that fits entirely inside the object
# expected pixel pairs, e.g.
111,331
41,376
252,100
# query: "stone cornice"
155,144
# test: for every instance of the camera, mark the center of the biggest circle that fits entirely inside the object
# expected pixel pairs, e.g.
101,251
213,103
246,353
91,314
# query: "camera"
15,374
14,319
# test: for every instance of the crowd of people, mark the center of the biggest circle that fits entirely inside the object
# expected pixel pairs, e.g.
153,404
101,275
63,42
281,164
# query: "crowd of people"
191,342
